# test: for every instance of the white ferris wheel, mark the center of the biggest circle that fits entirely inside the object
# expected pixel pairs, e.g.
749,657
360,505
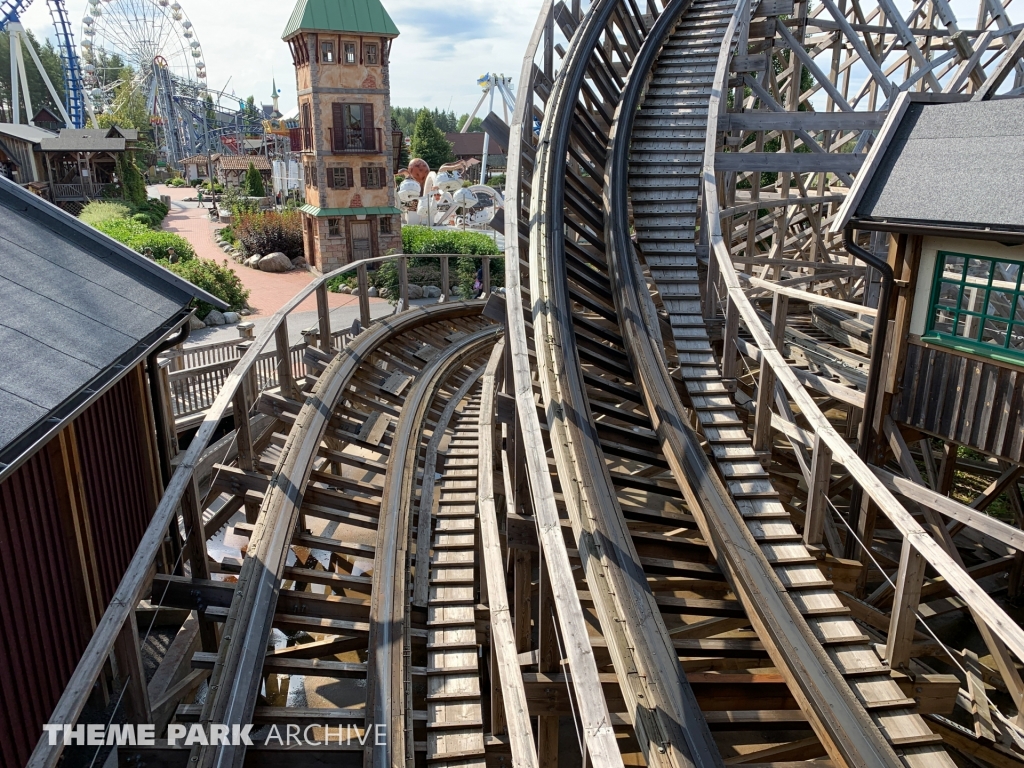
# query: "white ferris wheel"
154,38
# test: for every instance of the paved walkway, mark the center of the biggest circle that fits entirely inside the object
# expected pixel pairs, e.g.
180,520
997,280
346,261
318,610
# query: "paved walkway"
268,292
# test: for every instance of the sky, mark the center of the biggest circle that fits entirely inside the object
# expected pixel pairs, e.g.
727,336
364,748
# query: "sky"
444,46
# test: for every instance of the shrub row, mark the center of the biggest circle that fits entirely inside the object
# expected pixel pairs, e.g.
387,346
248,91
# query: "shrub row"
427,240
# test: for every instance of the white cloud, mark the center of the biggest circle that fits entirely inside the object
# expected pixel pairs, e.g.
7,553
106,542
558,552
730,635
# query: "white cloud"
443,48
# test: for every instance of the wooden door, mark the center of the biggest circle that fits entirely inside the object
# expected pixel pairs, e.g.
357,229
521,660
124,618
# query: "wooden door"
360,236
310,241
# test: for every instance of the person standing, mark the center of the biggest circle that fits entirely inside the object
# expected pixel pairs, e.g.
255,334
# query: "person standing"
201,198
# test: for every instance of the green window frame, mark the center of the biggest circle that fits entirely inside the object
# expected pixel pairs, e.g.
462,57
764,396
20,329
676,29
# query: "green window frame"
977,306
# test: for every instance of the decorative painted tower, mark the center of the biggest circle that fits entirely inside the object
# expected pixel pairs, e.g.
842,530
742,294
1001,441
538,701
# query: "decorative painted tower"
340,49
276,98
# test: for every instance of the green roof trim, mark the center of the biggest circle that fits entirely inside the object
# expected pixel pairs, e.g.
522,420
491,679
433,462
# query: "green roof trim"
323,213
359,16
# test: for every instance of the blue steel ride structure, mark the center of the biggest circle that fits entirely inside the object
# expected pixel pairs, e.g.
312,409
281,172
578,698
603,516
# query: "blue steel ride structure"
74,91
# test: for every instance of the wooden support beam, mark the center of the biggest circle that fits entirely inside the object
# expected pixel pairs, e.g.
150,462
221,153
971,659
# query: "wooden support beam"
817,492
285,379
983,727
446,285
364,299
909,581
323,311
132,675
766,381
403,281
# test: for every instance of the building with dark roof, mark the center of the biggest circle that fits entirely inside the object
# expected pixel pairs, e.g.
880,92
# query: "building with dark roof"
83,446
81,163
470,146
945,180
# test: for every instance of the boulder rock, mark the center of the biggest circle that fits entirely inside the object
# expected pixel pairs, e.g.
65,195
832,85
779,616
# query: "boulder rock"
454,291
244,312
344,289
384,293
253,261
431,292
372,292
415,292
195,323
355,291
232,317
275,262
214,318
300,262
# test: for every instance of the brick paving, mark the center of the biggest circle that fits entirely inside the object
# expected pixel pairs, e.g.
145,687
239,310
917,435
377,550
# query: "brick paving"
268,292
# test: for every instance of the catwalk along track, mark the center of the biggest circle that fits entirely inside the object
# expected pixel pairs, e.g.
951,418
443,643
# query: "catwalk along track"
612,514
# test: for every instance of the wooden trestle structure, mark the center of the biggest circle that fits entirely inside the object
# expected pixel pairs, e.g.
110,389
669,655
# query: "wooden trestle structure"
622,512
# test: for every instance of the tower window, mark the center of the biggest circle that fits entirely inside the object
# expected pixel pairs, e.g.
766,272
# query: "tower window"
334,227
307,128
978,304
372,177
371,55
350,53
340,178
385,225
327,52
353,128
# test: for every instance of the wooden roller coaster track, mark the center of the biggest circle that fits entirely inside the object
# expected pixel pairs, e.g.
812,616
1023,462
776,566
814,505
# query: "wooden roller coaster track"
602,517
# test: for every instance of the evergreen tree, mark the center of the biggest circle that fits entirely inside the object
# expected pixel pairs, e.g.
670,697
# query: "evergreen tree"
254,182
429,143
50,58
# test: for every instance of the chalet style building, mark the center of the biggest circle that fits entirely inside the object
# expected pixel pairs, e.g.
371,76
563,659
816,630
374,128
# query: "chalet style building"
85,447
956,249
340,50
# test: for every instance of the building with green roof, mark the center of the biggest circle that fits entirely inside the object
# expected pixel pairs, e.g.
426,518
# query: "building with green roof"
365,17
340,49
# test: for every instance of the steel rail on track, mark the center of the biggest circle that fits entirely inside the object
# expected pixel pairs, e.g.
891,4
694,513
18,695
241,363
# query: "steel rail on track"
386,695
669,725
237,674
839,720
601,746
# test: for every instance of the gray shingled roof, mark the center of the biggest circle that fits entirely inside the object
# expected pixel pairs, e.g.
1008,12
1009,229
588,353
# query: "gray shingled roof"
957,165
26,132
83,140
74,304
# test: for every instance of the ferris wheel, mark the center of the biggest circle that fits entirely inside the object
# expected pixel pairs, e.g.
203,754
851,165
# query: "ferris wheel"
146,40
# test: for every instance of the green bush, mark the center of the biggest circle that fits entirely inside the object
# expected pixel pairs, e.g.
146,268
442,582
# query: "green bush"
99,211
496,181
177,181
270,232
254,182
219,280
426,240
463,270
138,237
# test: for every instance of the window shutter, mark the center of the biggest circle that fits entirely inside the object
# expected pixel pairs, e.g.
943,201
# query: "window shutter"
369,132
331,177
348,178
363,180
338,113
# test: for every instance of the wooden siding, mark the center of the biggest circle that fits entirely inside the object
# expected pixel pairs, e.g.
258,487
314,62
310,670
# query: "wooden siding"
118,476
970,401
43,634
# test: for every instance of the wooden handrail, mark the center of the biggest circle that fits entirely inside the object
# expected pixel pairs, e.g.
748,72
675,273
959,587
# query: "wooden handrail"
984,607
129,591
